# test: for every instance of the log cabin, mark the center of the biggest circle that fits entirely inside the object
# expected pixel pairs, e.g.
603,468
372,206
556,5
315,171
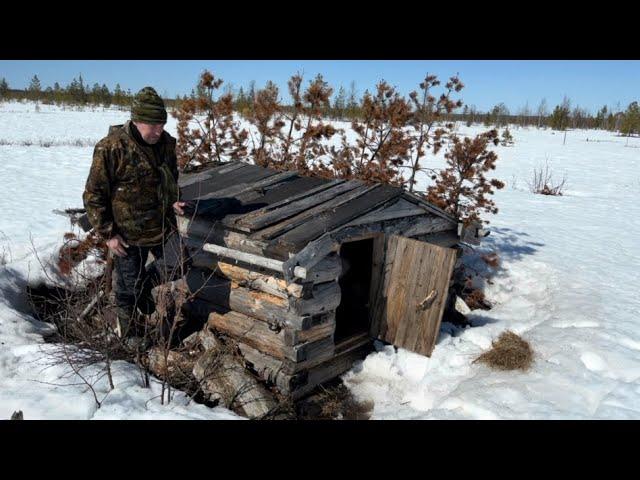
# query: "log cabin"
305,272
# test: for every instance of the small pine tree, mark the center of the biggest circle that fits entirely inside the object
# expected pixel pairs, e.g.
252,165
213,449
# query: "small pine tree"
352,110
462,188
383,144
4,89
218,137
507,138
427,110
34,89
631,120
560,117
340,104
265,115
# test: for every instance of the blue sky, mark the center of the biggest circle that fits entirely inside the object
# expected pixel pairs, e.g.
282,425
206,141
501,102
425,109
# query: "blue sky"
589,84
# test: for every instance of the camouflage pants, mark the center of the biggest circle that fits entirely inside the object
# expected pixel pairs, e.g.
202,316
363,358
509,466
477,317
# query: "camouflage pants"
134,279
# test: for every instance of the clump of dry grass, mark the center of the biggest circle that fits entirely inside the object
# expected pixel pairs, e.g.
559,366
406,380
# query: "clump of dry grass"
475,300
508,352
333,401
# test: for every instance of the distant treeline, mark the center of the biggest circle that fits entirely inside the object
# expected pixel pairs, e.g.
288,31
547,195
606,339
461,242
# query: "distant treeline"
348,106
76,93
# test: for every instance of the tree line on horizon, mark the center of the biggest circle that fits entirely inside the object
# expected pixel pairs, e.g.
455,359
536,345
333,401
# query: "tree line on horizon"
346,105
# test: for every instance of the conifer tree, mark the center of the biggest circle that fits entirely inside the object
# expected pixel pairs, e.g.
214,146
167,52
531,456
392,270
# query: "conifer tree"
340,104
217,137
631,120
35,89
560,117
352,102
427,110
382,145
301,142
507,138
462,189
4,89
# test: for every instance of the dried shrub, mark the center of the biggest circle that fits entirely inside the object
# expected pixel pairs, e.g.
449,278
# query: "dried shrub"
475,299
543,184
74,251
492,259
333,402
509,352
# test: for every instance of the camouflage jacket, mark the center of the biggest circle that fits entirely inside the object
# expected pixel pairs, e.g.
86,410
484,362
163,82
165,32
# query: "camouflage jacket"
130,190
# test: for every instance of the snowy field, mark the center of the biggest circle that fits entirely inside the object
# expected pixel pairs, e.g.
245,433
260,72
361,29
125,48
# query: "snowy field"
566,284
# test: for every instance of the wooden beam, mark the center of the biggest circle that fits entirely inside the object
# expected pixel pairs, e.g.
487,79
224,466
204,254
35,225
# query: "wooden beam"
306,217
259,281
261,219
251,259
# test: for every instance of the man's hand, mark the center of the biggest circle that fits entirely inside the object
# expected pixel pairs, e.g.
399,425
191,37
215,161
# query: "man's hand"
117,245
177,207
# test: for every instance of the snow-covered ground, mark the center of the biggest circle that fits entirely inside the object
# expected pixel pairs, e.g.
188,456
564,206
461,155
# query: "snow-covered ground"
566,284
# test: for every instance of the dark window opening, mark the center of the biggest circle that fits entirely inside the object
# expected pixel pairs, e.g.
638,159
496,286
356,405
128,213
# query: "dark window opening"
352,315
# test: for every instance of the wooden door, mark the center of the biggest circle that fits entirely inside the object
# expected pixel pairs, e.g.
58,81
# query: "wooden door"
408,297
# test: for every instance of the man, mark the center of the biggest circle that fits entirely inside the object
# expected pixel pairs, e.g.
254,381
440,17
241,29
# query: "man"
131,197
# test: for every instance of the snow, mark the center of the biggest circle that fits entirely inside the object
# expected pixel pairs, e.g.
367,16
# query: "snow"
565,283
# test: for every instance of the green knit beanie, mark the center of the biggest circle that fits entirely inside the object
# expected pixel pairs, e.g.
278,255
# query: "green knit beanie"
148,107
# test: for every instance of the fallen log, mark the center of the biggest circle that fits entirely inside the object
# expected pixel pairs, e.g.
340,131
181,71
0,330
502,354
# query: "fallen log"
223,377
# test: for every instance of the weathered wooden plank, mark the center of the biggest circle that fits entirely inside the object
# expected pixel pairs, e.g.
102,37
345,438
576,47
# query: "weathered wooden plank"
325,297
186,179
199,233
315,351
307,216
264,217
300,189
269,308
426,224
327,371
271,177
250,259
330,242
289,376
322,330
259,281
225,294
377,275
246,174
253,332
296,239
326,270
272,370
193,189
223,377
400,209
296,187
258,335
266,194
445,239
430,207
413,294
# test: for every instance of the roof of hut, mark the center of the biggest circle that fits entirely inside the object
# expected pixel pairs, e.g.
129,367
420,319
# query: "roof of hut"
287,210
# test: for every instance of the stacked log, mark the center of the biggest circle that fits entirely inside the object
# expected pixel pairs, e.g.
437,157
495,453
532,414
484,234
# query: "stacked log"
283,329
